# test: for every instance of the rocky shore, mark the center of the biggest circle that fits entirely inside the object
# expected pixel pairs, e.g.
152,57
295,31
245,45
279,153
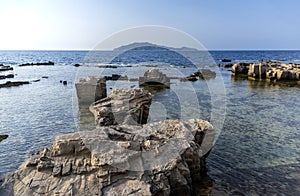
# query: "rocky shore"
269,70
163,158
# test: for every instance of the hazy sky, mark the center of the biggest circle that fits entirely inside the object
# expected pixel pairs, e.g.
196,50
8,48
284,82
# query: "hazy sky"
82,24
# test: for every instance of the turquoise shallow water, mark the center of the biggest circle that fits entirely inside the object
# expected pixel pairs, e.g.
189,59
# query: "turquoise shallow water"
257,152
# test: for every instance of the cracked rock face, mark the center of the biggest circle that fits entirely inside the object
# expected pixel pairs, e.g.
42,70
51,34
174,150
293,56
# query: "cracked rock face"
161,158
122,106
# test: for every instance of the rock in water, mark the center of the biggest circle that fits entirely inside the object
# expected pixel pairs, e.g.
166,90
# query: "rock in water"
122,106
163,158
240,68
154,77
3,137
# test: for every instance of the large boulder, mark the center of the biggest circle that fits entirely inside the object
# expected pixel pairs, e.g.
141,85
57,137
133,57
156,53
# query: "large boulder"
163,158
122,106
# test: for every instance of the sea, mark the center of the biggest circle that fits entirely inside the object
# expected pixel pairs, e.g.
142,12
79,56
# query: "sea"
257,146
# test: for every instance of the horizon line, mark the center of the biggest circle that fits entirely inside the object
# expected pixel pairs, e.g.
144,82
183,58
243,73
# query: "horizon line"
112,50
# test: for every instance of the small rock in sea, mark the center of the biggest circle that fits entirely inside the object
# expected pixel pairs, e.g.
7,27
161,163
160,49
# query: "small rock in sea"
46,77
3,137
77,65
60,81
65,82
226,60
36,80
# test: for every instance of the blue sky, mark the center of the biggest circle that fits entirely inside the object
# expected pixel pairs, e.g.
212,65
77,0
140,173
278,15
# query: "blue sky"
82,24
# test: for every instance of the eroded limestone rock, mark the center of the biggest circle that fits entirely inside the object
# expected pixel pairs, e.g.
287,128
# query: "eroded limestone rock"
90,89
154,77
162,158
122,106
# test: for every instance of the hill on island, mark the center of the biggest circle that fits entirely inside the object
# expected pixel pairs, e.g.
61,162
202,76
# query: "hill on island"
145,52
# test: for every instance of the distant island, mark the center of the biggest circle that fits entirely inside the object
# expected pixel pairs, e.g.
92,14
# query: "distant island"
142,46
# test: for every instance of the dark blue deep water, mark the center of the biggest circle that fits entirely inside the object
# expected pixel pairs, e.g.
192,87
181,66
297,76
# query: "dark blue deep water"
257,152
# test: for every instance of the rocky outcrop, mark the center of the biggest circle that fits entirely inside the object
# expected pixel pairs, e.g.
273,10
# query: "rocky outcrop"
3,137
270,70
5,68
154,77
90,89
38,64
129,106
240,69
204,74
164,158
10,84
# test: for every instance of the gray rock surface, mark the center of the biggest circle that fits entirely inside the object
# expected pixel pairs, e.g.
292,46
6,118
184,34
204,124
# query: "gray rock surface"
154,77
163,158
122,106
90,89
203,74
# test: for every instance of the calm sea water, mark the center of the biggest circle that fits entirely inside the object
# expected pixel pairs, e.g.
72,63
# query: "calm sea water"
257,152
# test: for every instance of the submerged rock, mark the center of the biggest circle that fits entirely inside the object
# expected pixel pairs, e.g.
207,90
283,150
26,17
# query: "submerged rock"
163,158
129,106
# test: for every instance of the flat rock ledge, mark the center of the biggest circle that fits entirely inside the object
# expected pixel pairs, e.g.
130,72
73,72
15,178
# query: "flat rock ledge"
162,158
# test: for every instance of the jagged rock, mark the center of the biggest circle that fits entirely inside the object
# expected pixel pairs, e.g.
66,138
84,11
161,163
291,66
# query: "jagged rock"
204,74
163,158
154,77
90,90
240,68
130,106
3,137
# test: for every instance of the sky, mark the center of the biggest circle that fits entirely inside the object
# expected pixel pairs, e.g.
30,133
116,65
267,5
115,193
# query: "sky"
82,24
